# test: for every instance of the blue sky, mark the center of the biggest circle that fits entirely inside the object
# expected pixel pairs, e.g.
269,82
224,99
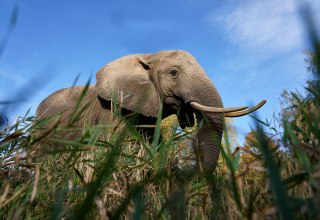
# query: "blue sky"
251,49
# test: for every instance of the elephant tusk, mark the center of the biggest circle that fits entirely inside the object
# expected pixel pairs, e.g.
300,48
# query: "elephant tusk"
246,111
204,108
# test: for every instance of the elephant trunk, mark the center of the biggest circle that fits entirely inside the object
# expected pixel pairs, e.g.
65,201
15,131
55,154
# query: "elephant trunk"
210,126
209,140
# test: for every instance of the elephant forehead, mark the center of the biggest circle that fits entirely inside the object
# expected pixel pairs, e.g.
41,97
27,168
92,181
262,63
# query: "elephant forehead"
176,57
175,54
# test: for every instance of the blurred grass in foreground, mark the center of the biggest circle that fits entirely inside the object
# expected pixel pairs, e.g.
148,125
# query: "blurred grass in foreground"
127,176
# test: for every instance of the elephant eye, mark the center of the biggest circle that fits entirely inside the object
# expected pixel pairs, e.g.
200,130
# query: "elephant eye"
174,73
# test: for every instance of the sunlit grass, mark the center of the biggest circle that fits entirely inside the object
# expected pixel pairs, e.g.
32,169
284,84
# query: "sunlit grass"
128,176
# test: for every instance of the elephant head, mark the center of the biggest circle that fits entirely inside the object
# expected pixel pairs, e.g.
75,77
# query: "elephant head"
142,81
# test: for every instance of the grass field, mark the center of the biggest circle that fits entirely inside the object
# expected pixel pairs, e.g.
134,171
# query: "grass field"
128,177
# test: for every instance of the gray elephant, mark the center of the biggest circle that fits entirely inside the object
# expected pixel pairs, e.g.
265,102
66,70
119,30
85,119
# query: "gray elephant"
140,83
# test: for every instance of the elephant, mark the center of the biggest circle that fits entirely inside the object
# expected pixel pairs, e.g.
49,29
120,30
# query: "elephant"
143,83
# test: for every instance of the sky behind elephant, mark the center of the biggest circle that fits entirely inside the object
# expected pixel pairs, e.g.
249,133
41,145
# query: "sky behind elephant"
250,49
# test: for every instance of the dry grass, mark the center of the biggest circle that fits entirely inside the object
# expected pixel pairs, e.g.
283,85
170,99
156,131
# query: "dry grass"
128,177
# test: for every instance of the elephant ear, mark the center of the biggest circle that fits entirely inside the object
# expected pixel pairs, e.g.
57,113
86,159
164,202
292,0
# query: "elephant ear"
127,82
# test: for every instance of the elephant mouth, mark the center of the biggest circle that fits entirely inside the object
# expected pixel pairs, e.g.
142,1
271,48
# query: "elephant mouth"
185,116
185,111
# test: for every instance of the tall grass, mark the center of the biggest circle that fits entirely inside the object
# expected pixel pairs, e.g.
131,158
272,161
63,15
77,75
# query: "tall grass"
125,175
129,176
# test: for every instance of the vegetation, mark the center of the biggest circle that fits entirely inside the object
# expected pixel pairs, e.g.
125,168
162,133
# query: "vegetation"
275,175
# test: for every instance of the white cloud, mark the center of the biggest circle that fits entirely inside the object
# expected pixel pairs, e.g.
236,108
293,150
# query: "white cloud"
264,25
